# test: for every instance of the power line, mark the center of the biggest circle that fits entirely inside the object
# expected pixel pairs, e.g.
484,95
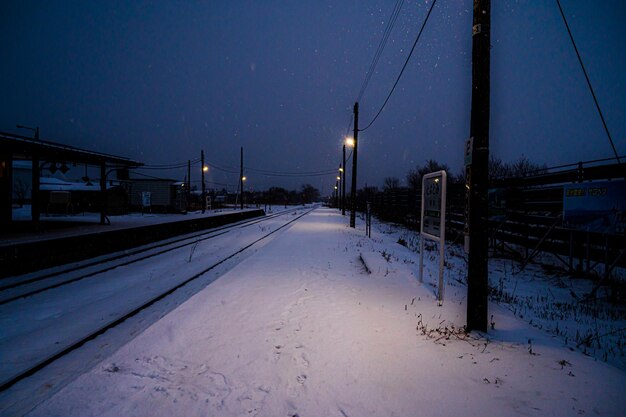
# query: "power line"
264,171
229,170
350,124
274,173
171,166
152,176
321,174
403,67
381,46
593,94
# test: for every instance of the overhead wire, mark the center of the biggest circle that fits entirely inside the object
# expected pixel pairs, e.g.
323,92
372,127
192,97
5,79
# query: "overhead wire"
171,166
593,94
236,171
148,176
403,67
264,171
381,46
350,124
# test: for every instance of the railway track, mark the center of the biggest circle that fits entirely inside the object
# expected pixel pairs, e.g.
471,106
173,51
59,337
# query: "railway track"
13,288
57,351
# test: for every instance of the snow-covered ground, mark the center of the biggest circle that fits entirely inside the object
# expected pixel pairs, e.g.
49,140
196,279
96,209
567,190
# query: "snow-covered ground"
582,313
302,328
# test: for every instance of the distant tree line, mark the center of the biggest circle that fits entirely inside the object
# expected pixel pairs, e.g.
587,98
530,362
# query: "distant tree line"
497,170
278,195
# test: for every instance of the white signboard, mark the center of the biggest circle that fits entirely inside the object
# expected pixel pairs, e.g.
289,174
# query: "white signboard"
433,220
431,204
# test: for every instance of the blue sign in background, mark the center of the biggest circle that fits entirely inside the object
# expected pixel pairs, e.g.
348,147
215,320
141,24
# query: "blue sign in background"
596,206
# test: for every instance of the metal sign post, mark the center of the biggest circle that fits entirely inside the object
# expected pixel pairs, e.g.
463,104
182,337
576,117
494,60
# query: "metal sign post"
433,220
368,220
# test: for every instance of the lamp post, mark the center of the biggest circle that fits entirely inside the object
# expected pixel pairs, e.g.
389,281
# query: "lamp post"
204,169
243,181
349,142
339,188
241,177
342,194
354,161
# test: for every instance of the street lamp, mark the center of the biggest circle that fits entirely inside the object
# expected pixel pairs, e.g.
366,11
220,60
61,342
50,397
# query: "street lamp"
243,179
204,169
355,144
348,141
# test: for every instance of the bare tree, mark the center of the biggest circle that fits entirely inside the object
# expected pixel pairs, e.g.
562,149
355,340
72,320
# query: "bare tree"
391,183
414,177
520,168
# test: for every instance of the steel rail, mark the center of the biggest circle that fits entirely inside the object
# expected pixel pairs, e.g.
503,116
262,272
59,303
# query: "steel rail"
4,385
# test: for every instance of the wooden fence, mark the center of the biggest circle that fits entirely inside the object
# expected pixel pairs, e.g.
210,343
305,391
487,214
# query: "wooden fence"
525,219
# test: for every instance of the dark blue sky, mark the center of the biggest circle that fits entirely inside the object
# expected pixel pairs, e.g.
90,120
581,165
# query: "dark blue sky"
157,81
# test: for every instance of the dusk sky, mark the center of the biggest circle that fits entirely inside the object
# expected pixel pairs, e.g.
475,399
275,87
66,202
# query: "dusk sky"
157,81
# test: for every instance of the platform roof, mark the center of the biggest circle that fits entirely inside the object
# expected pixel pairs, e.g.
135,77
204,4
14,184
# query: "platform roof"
46,150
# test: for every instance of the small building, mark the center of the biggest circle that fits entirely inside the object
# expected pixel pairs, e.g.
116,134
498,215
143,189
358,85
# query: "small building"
154,194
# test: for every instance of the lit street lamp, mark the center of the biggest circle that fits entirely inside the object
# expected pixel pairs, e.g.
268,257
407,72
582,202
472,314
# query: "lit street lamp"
204,169
342,183
350,143
355,142
243,180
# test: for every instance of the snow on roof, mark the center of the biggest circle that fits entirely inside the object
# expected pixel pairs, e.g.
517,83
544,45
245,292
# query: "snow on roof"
56,184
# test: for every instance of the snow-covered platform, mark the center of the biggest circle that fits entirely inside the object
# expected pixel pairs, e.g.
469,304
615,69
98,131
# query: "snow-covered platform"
63,239
301,328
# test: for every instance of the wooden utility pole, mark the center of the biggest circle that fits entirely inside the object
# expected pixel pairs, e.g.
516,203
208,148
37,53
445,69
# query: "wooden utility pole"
343,180
339,201
477,158
103,193
203,187
189,184
36,184
354,153
241,177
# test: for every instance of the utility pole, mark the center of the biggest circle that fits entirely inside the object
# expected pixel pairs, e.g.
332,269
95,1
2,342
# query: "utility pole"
354,153
189,184
103,193
339,201
477,172
203,187
343,180
35,209
241,177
